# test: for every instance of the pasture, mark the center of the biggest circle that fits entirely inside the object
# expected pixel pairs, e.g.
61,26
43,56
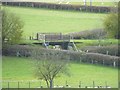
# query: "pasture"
44,20
20,69
102,42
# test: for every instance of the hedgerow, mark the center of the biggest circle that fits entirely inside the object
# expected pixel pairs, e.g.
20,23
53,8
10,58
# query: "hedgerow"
28,51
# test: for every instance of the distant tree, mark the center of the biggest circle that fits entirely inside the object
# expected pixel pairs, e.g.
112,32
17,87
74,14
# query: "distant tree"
111,25
11,27
49,67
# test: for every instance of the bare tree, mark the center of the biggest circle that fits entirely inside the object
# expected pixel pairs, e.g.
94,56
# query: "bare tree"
49,67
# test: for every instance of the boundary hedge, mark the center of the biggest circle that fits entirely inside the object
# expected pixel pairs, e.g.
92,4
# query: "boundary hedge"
112,50
97,9
93,58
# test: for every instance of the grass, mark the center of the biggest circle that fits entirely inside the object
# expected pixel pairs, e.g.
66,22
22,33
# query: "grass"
103,42
15,68
44,20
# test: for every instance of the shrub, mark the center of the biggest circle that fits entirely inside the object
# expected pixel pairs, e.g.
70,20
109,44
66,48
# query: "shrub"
94,58
100,59
89,34
110,50
97,9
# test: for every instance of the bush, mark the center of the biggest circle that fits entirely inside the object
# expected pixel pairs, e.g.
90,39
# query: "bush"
111,23
89,34
110,50
97,58
27,51
96,9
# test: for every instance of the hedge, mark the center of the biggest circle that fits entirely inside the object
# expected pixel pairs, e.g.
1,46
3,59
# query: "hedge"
97,9
101,59
89,34
93,58
110,50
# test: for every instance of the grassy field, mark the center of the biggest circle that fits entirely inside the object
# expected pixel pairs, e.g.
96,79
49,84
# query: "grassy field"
102,42
21,69
44,20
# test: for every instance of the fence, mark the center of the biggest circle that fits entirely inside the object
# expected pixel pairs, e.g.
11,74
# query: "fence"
97,9
60,84
51,37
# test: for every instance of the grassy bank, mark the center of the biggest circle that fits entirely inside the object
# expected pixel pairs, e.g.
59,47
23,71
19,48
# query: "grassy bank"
15,68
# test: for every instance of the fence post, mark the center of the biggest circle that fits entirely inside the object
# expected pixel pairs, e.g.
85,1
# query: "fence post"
105,84
92,61
66,83
29,84
115,54
103,62
18,84
41,84
114,63
93,84
8,85
79,84
107,52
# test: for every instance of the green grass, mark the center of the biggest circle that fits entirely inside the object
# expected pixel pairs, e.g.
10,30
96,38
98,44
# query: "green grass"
44,20
21,69
103,42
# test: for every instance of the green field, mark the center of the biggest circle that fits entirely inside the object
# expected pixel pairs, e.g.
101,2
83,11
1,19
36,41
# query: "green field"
44,20
21,69
102,42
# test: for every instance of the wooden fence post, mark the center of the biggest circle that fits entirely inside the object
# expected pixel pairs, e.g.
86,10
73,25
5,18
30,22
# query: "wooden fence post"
29,84
8,85
114,63
103,62
18,84
79,84
93,84
66,83
107,52
92,61
105,84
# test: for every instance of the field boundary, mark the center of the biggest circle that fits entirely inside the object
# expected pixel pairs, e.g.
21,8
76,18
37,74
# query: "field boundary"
92,58
83,8
67,84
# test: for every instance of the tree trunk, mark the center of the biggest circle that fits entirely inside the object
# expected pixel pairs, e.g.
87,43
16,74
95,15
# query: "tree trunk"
51,83
47,83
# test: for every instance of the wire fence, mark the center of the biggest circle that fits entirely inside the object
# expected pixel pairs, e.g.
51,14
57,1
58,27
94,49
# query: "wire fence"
42,84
